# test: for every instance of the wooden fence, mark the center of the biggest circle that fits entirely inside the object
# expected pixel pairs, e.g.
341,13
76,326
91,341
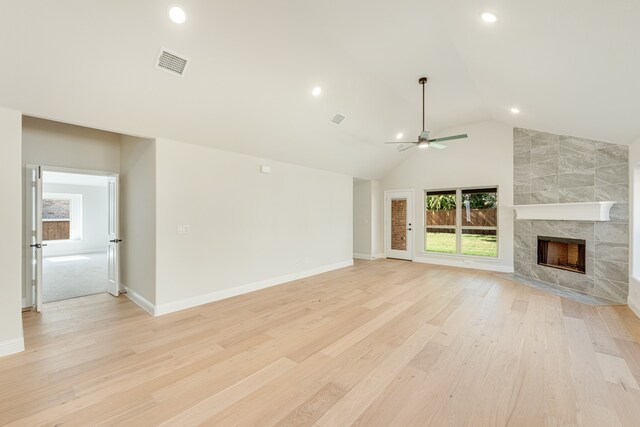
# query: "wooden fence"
478,218
56,230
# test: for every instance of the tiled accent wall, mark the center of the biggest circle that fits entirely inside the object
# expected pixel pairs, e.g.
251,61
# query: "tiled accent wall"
552,168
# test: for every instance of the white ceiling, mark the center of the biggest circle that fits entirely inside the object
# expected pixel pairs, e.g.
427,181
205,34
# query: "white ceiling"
570,66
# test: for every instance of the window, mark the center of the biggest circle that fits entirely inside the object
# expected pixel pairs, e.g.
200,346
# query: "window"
61,216
56,219
462,221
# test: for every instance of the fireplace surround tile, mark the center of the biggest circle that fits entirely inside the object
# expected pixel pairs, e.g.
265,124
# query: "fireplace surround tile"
583,284
522,158
522,173
519,133
614,174
523,241
543,139
546,274
544,183
611,270
576,195
614,232
608,251
616,192
619,213
576,161
544,197
610,289
613,155
522,145
523,226
544,168
586,171
539,154
583,178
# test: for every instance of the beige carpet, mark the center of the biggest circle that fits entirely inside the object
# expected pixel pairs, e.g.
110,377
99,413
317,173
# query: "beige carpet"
73,276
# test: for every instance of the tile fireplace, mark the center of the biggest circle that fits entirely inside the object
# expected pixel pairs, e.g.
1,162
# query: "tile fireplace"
571,175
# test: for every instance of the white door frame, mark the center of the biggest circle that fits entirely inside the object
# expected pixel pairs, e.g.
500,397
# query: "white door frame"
389,253
29,297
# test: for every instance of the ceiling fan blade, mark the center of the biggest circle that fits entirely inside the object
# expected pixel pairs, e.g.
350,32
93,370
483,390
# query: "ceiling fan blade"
449,138
400,142
437,146
405,148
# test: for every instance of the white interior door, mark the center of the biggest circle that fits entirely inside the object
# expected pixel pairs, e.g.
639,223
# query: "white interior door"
113,257
34,229
399,224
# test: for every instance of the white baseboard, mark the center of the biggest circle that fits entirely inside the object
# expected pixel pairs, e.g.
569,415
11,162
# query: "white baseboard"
141,301
380,256
634,306
466,263
172,307
11,346
362,256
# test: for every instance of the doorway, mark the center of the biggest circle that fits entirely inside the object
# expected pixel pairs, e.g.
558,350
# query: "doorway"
72,225
398,214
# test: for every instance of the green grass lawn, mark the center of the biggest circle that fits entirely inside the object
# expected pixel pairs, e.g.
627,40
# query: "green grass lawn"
472,244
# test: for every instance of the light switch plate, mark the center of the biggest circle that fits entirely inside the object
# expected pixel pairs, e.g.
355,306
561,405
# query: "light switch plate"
265,169
184,229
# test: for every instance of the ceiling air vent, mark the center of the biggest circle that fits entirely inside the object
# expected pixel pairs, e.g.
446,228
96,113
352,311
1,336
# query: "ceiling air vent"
172,62
338,118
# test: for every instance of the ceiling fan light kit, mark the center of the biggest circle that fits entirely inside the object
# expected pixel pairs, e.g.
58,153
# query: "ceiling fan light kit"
423,139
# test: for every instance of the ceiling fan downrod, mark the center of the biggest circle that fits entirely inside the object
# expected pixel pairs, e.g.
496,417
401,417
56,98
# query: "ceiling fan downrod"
423,81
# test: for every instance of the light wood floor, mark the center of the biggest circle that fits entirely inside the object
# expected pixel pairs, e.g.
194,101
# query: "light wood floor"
383,343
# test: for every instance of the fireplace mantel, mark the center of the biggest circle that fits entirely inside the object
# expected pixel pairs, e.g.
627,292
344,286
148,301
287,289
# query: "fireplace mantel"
585,211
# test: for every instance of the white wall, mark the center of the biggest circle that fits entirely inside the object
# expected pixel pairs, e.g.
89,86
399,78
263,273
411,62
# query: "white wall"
248,230
362,219
11,338
368,226
634,223
377,219
484,159
95,205
138,220
59,144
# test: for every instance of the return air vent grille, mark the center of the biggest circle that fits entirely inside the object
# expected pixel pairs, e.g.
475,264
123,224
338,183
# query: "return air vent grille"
338,118
172,62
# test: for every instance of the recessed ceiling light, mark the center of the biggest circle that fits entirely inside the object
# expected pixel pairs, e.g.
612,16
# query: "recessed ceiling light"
177,15
399,135
316,91
515,110
489,17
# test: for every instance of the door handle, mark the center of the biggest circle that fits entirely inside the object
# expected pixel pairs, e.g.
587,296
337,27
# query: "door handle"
37,245
115,241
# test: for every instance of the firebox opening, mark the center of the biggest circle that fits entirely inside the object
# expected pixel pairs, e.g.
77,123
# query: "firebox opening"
565,254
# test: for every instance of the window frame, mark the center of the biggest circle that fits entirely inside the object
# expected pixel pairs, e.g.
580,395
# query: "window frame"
458,227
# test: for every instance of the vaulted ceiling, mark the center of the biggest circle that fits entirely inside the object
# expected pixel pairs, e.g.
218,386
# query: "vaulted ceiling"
571,67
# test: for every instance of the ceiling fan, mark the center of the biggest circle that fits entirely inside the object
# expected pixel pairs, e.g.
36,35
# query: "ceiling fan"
423,139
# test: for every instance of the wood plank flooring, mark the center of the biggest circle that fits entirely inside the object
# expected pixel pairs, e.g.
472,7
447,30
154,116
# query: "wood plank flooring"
383,343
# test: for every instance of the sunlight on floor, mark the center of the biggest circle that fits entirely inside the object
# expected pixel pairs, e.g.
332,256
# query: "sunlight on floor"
67,258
